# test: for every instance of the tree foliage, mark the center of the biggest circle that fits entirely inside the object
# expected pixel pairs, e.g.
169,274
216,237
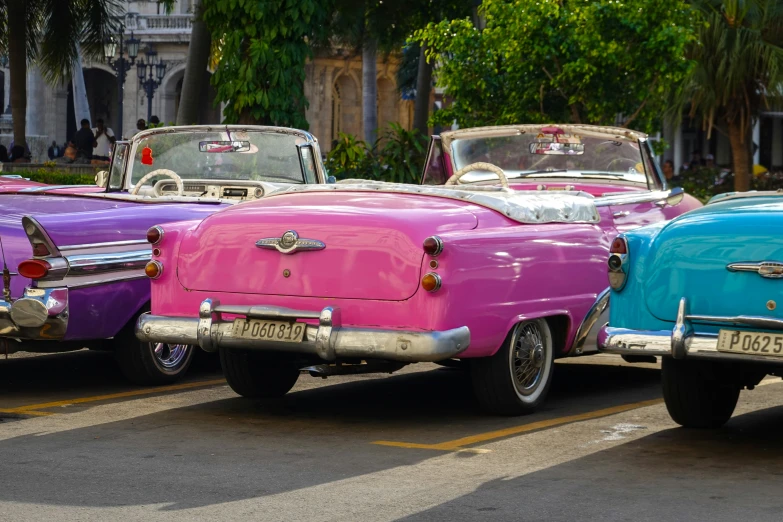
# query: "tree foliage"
737,73
264,47
561,60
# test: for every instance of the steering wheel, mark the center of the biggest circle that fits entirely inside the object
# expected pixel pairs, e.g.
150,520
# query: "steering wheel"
632,164
479,166
160,172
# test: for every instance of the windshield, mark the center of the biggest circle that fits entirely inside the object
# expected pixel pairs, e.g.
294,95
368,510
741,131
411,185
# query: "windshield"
253,156
553,153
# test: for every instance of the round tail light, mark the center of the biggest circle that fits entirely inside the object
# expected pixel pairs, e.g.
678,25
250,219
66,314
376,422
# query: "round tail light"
431,282
433,245
619,246
34,268
617,263
155,235
153,270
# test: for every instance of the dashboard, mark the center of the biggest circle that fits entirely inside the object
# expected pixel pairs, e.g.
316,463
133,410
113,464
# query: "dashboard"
217,189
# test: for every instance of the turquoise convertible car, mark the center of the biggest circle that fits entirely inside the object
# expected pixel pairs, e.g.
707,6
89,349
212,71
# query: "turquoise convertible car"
702,291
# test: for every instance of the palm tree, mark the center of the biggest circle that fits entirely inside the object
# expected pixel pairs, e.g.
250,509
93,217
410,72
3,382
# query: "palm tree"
737,72
50,33
195,79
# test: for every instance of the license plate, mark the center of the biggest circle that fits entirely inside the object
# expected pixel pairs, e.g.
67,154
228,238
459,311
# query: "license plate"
262,330
753,343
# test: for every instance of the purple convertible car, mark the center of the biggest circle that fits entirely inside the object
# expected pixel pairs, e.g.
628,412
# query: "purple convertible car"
73,260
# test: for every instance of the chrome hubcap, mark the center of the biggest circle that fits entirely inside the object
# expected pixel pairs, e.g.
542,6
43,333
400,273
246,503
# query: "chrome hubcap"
528,358
170,356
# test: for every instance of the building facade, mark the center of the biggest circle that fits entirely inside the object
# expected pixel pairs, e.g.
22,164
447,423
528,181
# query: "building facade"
333,86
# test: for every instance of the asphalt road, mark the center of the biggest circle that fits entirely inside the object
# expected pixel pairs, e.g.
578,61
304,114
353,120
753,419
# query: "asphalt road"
78,444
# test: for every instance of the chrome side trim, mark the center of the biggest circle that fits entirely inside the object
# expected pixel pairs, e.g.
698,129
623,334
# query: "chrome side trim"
86,264
767,269
644,197
683,342
327,339
599,309
111,244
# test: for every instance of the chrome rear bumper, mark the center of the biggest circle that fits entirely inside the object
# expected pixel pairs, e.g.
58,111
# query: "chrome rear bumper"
40,314
682,341
328,339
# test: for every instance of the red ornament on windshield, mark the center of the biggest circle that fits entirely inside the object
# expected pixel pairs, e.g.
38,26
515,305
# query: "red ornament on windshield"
146,156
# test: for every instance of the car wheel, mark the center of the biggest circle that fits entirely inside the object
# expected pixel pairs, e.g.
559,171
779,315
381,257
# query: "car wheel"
151,363
517,378
258,375
698,394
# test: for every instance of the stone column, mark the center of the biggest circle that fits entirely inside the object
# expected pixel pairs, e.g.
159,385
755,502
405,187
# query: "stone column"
6,90
677,148
757,141
36,102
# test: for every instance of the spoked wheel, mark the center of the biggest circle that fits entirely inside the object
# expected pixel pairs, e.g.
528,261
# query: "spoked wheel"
516,379
170,356
151,363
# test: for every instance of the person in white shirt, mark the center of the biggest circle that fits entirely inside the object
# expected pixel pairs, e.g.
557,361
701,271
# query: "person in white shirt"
104,140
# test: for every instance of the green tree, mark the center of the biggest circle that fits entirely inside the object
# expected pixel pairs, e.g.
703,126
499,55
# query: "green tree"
50,33
566,60
264,47
738,72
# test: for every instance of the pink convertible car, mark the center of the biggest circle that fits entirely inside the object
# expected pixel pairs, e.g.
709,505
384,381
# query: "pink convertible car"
498,259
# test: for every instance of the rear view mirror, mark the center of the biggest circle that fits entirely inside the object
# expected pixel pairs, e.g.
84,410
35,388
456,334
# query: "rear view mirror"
331,179
563,149
675,197
224,146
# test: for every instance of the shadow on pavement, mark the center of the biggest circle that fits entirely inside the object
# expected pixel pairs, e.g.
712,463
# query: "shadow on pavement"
235,448
726,475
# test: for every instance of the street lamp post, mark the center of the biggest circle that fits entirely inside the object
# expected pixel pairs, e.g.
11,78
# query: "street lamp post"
121,66
151,76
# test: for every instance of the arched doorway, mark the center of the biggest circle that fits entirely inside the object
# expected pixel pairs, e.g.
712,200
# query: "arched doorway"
101,89
346,109
172,92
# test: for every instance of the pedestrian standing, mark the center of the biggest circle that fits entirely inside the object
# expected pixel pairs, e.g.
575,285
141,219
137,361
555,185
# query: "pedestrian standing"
54,151
104,140
84,141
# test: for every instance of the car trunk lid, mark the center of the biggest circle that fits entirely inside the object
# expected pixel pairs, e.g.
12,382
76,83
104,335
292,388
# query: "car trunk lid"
372,245
697,257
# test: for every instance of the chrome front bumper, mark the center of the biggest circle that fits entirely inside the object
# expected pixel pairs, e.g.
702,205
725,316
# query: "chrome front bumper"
328,339
40,314
682,341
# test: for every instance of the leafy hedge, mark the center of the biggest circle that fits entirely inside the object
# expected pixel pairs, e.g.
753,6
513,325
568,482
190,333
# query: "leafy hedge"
397,157
56,177
705,183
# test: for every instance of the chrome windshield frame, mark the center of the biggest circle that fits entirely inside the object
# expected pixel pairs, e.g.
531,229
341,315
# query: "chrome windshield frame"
135,141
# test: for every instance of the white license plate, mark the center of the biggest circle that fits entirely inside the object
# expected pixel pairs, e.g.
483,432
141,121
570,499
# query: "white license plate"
753,343
262,330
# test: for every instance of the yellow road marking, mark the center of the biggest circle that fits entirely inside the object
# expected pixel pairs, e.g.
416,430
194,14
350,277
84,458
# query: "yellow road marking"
458,444
33,413
28,410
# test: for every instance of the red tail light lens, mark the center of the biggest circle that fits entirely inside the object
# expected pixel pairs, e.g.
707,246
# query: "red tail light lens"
154,235
619,246
34,269
433,245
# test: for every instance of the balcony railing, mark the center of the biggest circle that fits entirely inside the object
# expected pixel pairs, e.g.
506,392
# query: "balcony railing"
159,24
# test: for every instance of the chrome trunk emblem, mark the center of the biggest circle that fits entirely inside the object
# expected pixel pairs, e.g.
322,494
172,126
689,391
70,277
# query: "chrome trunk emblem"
290,243
768,269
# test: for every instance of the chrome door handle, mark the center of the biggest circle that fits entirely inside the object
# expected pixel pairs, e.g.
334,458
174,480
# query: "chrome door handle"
621,213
